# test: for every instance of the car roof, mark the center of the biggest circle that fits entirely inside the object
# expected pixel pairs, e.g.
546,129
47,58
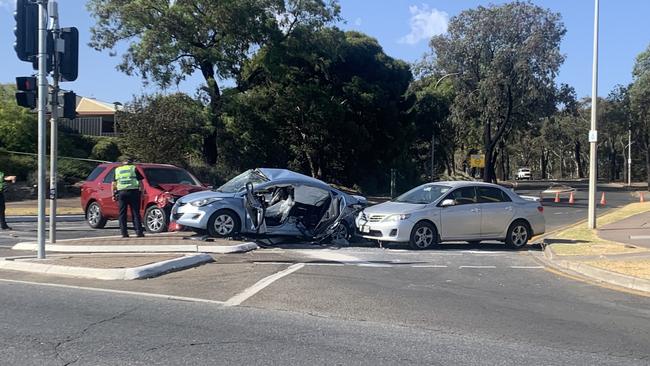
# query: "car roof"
465,183
285,175
143,165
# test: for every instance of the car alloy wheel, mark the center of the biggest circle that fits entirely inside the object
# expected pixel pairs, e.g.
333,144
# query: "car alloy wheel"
518,235
94,216
224,224
423,236
155,220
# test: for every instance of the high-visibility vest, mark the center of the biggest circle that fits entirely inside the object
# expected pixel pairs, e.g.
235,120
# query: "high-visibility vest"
2,181
126,178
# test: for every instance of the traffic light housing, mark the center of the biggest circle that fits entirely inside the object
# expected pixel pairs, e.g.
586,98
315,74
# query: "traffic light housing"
49,49
70,105
26,30
69,61
26,96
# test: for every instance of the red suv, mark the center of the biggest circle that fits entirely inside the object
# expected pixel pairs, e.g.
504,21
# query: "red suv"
162,186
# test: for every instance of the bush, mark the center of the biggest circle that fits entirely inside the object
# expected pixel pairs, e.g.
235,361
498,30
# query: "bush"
73,171
19,165
106,149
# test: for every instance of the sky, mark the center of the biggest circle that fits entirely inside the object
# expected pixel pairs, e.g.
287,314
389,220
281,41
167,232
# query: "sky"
402,27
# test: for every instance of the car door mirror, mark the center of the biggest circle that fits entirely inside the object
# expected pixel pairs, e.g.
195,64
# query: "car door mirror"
447,202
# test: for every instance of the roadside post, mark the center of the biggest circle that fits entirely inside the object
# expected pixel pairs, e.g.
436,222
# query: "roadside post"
593,132
53,11
393,178
42,105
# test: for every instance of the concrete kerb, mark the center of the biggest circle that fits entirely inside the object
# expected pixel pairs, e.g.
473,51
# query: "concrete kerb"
181,248
133,273
594,274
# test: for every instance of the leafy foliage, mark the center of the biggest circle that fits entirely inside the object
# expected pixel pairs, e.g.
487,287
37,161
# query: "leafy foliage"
162,128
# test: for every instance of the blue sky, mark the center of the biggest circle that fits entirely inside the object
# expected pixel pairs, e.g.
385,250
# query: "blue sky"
401,26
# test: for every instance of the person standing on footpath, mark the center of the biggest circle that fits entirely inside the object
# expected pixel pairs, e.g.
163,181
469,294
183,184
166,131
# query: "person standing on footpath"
126,190
3,186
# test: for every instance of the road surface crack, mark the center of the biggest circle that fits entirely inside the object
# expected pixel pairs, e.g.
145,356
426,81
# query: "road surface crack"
80,334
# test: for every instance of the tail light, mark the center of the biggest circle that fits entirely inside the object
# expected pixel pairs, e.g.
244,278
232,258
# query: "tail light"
540,209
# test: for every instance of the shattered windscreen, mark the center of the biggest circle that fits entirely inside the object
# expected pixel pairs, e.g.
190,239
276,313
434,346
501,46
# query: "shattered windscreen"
238,183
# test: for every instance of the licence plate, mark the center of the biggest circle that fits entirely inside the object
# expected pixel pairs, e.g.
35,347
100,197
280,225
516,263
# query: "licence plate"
364,229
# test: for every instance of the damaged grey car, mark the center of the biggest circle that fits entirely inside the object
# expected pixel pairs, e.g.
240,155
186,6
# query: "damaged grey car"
271,202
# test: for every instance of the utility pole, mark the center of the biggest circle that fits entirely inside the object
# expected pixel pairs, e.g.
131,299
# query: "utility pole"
53,11
42,105
593,132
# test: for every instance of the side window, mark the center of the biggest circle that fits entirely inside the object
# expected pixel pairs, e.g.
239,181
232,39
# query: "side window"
491,195
110,177
463,196
95,173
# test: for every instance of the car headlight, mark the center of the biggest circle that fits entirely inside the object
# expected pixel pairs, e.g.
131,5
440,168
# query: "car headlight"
399,217
203,202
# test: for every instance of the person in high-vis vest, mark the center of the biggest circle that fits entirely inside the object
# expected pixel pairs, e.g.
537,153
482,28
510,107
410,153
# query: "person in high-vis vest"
126,190
3,185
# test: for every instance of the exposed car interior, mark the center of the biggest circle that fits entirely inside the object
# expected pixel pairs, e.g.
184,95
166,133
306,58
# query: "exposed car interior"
302,205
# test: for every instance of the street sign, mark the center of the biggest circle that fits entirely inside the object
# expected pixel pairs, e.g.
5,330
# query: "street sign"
477,161
593,136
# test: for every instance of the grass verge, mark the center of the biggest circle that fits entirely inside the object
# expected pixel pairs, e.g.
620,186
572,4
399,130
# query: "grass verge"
580,240
33,211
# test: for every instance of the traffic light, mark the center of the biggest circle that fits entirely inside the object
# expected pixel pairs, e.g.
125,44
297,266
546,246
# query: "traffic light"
26,30
70,105
69,62
27,91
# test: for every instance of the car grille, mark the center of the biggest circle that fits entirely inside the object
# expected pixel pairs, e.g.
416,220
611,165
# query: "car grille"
376,218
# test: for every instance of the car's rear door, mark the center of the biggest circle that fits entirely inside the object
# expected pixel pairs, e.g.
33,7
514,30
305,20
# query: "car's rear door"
462,221
496,211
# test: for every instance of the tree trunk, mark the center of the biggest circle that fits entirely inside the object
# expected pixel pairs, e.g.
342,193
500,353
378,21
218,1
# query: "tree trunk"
212,87
647,164
578,159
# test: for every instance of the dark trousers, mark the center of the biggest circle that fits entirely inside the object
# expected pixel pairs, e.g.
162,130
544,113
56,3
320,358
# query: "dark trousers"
130,198
3,223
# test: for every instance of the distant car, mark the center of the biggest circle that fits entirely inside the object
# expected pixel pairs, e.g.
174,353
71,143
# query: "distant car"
270,202
523,173
162,186
453,211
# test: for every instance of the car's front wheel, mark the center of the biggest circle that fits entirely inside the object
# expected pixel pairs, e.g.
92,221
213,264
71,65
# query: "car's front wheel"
94,216
518,234
223,224
423,236
155,220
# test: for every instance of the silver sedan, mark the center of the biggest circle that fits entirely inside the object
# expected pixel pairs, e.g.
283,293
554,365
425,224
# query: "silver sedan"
454,211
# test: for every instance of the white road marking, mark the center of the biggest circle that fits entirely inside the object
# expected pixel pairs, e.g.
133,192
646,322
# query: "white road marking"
429,266
261,284
526,267
120,292
461,267
638,237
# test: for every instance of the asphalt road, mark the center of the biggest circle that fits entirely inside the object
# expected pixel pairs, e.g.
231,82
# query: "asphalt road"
292,304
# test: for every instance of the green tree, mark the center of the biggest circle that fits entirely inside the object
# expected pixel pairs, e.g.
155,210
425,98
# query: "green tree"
170,40
17,124
163,128
640,104
506,57
331,103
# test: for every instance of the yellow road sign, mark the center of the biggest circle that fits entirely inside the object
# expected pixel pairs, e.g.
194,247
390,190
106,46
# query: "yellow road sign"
477,161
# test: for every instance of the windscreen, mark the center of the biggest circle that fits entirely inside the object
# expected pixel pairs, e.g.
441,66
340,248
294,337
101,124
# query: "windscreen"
157,176
238,183
425,194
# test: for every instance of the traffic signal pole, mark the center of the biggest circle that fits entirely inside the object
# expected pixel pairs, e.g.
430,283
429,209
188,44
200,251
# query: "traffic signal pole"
42,103
54,114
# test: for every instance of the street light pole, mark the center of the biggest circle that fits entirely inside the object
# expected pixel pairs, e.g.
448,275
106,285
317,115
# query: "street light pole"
593,133
42,105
